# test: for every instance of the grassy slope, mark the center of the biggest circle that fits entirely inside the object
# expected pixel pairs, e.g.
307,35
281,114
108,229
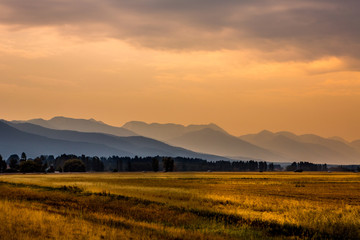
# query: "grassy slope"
186,205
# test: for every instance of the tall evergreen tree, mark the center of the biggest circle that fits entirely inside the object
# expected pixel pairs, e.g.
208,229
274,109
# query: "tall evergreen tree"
155,164
23,157
3,164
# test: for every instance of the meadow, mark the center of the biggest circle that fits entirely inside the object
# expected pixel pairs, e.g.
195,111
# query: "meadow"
274,205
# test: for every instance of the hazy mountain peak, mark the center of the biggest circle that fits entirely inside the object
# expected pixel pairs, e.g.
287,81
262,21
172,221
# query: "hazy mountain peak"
216,142
96,121
36,140
206,130
166,131
340,139
265,133
130,124
23,121
57,117
213,126
287,134
306,147
40,119
81,125
62,118
207,138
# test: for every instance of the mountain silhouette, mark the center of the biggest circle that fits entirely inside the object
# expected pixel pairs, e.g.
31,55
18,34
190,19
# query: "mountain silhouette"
356,144
122,146
164,132
215,142
340,139
82,125
307,147
207,141
13,141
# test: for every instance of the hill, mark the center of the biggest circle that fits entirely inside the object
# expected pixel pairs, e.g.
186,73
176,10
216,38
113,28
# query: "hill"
82,125
306,147
356,144
122,146
164,132
215,142
13,141
137,138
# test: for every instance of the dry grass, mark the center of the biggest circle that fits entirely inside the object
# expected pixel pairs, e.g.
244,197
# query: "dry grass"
184,205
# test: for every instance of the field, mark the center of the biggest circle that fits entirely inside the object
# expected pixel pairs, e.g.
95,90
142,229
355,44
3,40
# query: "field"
180,206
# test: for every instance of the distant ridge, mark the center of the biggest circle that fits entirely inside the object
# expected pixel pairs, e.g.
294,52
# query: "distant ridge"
82,125
340,139
207,140
356,144
13,141
211,141
166,131
37,140
306,147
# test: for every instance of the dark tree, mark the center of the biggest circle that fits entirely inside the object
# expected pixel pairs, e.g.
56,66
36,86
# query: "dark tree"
324,167
28,166
292,167
262,166
155,164
60,160
271,167
13,156
44,167
74,165
253,166
14,162
129,166
23,157
171,165
3,164
168,164
39,164
97,164
50,160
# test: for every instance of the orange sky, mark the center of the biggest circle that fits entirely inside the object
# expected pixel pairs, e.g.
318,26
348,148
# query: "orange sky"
246,66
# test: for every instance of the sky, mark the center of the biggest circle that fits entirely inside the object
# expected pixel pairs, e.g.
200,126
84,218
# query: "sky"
245,65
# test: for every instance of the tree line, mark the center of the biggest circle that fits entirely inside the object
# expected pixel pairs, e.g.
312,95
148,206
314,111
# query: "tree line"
306,166
73,163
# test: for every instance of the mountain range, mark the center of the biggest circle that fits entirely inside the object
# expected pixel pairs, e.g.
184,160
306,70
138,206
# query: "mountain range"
307,147
265,145
17,137
81,125
215,142
13,141
164,132
207,141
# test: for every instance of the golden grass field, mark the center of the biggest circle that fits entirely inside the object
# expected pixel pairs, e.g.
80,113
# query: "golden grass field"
277,205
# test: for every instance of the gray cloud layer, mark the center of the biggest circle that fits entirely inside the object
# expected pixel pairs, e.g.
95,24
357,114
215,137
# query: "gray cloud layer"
313,28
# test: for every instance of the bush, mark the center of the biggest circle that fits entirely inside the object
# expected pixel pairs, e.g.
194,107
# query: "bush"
74,165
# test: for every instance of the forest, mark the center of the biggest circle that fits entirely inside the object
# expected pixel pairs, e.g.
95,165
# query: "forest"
74,163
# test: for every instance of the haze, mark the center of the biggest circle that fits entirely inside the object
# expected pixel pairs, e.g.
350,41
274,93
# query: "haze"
245,65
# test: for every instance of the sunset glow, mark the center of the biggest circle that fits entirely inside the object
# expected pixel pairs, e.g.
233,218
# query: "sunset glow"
244,65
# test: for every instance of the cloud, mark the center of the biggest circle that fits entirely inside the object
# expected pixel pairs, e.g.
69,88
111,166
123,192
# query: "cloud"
280,29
